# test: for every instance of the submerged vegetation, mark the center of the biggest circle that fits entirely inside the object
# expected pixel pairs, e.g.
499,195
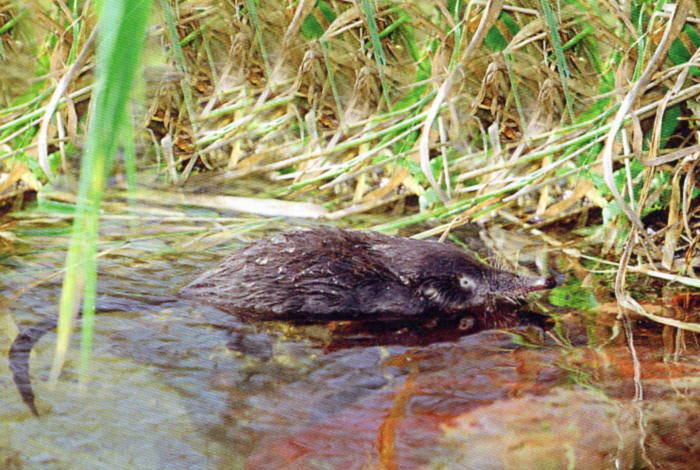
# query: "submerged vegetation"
574,120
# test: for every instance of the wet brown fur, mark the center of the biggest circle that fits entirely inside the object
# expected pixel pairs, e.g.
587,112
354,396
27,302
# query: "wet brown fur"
332,275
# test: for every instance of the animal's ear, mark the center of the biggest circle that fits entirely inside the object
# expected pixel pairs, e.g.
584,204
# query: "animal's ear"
467,283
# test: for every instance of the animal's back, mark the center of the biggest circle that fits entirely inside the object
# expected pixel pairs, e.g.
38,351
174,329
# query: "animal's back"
308,275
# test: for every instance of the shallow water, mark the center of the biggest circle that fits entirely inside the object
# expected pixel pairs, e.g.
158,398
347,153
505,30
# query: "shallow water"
178,385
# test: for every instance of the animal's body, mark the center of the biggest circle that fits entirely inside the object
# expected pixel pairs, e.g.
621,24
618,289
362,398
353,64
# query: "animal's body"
334,275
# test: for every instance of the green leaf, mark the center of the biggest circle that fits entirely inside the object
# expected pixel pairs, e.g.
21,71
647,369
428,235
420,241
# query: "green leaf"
679,54
511,24
311,28
669,124
494,40
327,11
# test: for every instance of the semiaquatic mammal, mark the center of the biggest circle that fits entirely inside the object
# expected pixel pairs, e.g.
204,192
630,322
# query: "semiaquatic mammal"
324,275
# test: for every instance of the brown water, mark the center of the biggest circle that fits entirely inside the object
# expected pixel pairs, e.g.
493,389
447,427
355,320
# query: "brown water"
172,387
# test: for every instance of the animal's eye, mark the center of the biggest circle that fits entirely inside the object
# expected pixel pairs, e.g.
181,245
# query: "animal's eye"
466,283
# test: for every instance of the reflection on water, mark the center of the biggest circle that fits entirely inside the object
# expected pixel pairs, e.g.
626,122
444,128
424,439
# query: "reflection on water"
180,385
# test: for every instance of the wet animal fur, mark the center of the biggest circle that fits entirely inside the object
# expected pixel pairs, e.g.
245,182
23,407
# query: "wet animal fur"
333,275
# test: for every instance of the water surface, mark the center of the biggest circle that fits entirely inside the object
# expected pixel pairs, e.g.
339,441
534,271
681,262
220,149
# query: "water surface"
177,384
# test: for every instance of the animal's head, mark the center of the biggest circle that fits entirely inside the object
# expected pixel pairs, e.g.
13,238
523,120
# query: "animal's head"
454,282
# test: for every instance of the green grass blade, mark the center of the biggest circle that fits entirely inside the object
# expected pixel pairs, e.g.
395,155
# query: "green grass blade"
122,34
378,50
562,67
